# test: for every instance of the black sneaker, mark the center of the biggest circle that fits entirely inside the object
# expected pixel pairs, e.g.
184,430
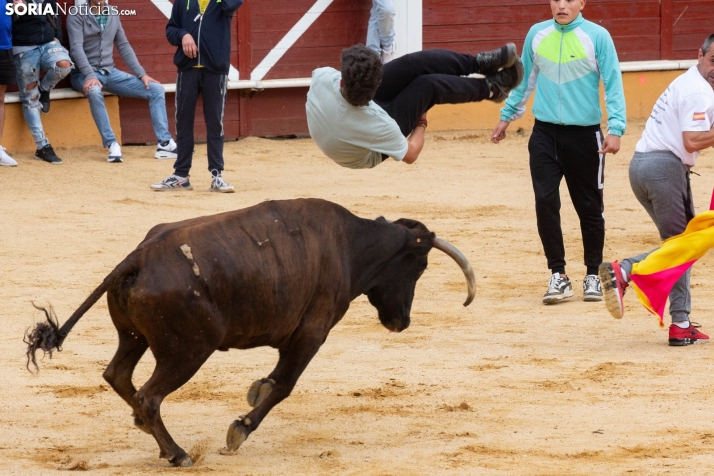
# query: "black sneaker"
47,154
505,80
489,62
44,101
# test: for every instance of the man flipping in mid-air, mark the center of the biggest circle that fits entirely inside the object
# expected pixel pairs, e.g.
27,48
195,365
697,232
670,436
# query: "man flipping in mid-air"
360,116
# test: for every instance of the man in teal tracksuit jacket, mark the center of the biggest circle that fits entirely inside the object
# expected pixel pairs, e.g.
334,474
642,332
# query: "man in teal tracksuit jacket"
564,60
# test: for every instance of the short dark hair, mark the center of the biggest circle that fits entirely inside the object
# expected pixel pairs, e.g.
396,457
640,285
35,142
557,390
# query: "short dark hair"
707,43
361,74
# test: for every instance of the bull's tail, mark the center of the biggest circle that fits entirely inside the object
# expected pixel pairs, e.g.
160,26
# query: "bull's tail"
48,336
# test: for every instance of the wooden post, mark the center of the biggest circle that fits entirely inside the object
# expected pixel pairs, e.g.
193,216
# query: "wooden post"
666,29
245,59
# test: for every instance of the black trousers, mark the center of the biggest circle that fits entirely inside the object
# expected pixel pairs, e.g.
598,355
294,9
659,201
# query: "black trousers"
212,87
572,152
413,83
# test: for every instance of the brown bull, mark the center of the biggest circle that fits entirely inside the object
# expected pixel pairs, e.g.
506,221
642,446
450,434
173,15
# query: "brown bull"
280,274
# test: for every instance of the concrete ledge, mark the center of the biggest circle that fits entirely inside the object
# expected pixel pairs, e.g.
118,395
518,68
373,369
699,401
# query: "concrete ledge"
664,65
64,93
68,124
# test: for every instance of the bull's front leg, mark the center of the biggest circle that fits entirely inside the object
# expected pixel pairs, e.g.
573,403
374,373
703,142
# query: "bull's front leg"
264,394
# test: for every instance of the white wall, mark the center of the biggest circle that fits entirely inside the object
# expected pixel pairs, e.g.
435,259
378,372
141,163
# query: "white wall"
408,25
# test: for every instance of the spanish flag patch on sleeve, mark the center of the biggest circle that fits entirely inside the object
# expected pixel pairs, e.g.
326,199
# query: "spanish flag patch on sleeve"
699,116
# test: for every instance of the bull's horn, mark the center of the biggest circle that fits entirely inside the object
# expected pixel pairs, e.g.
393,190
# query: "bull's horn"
457,256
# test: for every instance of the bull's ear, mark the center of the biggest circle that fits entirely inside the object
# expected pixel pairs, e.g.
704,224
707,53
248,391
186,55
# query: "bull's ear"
382,220
421,243
410,224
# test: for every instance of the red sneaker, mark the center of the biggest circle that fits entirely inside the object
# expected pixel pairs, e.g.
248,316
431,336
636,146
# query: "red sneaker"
688,336
613,287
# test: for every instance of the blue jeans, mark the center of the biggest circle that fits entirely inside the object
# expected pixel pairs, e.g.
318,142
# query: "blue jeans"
380,29
127,85
28,66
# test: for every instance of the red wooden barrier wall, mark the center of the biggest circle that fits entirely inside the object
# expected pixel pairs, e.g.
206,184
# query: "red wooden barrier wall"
642,30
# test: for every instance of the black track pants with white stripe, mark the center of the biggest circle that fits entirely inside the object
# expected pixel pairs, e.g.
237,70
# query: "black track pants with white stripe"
558,151
212,88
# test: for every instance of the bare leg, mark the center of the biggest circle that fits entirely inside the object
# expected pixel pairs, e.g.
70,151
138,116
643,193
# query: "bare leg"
3,89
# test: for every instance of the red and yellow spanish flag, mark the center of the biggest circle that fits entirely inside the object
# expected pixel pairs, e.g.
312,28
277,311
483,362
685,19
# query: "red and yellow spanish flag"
699,116
654,276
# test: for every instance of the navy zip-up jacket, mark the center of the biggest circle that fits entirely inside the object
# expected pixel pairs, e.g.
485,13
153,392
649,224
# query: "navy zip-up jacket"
211,32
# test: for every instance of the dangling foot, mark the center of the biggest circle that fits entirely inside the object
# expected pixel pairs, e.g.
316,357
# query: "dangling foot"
490,62
504,81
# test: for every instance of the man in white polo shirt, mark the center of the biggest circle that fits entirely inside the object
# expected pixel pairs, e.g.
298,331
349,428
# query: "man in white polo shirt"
681,125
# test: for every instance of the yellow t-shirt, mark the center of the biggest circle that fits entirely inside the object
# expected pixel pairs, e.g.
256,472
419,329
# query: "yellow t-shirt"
202,4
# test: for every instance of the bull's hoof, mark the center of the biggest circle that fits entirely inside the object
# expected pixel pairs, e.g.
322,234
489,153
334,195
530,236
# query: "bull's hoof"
182,461
139,423
237,433
259,391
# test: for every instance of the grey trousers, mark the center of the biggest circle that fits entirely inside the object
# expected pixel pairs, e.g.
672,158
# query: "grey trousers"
660,182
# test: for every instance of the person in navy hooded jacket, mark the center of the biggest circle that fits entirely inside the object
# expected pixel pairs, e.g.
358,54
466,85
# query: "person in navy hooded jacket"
201,31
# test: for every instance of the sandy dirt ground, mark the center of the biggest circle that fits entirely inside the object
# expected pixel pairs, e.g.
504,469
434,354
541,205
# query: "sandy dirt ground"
505,386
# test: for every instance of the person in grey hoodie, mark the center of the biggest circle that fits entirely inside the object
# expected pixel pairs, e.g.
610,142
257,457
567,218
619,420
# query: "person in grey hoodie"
93,31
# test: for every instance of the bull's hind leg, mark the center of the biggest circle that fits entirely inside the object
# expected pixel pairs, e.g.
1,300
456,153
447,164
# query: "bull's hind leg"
266,393
173,369
132,346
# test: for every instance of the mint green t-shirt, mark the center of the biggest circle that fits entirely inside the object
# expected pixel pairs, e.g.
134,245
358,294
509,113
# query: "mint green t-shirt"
353,136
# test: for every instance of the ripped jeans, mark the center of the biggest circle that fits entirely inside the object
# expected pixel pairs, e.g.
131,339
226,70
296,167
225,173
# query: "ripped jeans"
28,66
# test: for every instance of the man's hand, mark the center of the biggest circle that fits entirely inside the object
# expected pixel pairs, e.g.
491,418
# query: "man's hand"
499,132
611,144
91,83
146,79
189,46
415,141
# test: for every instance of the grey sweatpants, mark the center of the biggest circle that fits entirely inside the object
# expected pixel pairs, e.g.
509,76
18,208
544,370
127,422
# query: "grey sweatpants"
660,182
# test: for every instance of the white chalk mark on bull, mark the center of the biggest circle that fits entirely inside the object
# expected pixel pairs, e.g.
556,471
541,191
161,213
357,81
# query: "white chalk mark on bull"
261,243
187,253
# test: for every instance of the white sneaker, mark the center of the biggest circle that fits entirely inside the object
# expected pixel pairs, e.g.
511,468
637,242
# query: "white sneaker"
592,291
114,156
6,160
166,151
559,288
387,54
220,185
172,182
